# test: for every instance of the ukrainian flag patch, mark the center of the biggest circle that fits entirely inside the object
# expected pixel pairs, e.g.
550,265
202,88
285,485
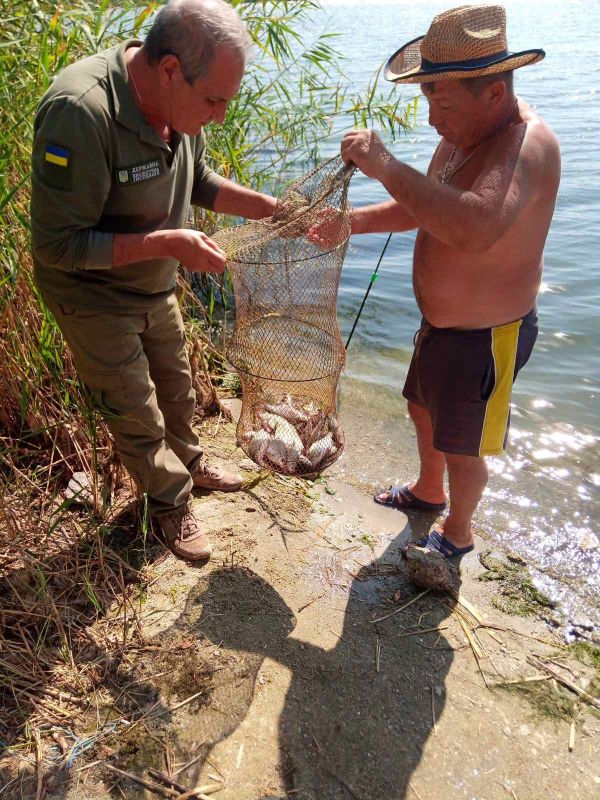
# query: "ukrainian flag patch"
57,155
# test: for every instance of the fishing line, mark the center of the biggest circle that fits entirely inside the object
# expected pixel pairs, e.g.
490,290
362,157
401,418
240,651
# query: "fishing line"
370,286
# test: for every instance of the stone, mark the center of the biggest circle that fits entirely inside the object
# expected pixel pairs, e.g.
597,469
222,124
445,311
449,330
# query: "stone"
583,622
430,569
248,465
80,489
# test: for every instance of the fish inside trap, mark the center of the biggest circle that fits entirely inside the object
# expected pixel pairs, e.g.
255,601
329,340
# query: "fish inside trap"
294,437
286,345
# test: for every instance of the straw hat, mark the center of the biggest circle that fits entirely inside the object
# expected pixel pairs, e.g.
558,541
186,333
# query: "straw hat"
465,42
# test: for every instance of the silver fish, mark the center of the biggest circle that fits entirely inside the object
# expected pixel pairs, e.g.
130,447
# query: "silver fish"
287,432
336,433
276,455
257,444
314,429
268,421
288,412
305,465
321,450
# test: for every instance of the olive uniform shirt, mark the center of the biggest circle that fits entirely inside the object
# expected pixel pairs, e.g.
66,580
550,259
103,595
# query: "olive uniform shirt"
100,169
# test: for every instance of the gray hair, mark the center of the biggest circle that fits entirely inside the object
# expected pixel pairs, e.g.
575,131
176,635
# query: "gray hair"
192,30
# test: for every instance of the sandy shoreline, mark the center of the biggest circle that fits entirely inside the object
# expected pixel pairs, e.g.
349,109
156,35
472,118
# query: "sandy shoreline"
301,663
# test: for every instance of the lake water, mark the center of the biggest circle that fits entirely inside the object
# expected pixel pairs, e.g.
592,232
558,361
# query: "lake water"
543,497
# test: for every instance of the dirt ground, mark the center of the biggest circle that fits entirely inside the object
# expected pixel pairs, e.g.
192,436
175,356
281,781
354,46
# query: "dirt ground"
300,663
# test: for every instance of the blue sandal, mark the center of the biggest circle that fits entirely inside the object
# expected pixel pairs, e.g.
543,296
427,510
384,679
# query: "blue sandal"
404,500
436,540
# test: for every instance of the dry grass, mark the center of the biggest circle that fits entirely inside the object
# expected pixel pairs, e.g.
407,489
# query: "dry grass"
63,566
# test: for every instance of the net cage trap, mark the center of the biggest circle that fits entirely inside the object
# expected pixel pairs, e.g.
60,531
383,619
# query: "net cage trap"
286,344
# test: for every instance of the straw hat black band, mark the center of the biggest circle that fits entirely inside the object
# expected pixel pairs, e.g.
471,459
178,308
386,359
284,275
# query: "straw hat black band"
464,42
471,63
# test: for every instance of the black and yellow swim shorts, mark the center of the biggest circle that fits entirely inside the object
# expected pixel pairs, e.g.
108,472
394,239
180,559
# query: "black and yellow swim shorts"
464,379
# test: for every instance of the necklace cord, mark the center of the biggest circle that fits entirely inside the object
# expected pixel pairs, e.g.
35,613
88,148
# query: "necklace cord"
449,172
134,84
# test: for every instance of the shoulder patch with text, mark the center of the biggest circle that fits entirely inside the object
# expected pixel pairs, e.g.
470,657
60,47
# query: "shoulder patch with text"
138,172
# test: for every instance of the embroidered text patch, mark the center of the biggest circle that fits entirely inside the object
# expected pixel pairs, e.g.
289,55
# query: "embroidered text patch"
138,172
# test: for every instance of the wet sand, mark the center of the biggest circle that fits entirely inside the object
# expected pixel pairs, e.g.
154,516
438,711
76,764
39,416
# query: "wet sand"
540,502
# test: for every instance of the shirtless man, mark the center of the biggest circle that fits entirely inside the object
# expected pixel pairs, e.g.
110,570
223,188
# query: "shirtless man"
482,213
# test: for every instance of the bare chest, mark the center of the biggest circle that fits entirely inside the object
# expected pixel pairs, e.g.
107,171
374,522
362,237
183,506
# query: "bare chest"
452,167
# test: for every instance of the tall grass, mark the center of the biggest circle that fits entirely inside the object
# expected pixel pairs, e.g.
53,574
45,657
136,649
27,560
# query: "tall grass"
56,571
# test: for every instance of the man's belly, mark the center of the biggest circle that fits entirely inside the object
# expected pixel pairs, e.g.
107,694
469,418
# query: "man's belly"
473,293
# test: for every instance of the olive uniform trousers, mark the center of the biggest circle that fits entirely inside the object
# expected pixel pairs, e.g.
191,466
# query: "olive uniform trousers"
135,367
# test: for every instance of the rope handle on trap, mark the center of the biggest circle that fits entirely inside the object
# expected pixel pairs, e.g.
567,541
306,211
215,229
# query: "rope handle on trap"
344,173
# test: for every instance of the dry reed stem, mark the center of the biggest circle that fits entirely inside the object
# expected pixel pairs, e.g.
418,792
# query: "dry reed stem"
153,787
536,662
571,737
433,719
344,783
477,652
423,630
40,765
189,764
406,605
167,780
415,791
202,791
186,701
526,679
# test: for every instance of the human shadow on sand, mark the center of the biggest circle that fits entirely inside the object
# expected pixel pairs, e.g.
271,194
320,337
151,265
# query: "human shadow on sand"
354,724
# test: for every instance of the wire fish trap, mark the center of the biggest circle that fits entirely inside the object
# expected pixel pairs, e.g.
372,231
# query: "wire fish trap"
286,345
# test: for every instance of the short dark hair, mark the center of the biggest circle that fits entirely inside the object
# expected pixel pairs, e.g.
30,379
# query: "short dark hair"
477,85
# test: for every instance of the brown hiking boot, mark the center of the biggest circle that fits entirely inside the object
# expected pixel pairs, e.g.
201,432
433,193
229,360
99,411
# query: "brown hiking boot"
181,529
205,476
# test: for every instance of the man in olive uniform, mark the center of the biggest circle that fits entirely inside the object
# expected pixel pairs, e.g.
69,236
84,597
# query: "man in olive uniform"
118,157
